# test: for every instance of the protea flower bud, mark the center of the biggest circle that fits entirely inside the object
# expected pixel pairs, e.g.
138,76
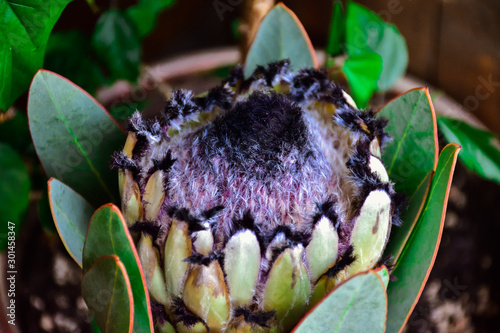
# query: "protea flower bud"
252,201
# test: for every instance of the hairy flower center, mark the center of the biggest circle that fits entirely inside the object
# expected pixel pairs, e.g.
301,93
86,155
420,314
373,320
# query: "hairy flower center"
259,157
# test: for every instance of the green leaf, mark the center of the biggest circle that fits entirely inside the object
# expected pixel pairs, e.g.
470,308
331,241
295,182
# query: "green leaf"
69,55
145,14
117,44
6,98
334,46
14,193
107,291
362,72
108,234
480,149
26,25
16,133
366,32
71,213
415,263
74,137
357,304
412,152
280,36
400,235
94,327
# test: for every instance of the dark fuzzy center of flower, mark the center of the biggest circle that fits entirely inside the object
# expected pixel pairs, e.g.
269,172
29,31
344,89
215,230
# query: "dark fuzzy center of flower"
259,132
259,157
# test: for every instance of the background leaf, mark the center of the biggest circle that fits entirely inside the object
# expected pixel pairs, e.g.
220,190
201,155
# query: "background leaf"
480,149
415,263
412,152
280,36
117,44
108,235
6,97
26,26
71,213
107,291
357,304
69,54
145,14
14,191
74,137
362,72
366,32
334,45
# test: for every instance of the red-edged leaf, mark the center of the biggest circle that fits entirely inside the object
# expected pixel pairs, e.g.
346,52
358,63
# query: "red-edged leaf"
355,305
400,235
108,234
71,213
415,263
107,291
281,36
74,136
413,150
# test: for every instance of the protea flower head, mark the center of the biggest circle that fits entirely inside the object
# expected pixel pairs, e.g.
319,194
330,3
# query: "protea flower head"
252,201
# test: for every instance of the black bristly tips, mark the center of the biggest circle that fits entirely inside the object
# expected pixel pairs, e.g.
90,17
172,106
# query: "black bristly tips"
120,161
363,122
221,96
255,318
346,259
200,259
180,107
163,164
195,224
146,227
158,311
212,212
235,76
247,222
182,314
399,202
326,209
